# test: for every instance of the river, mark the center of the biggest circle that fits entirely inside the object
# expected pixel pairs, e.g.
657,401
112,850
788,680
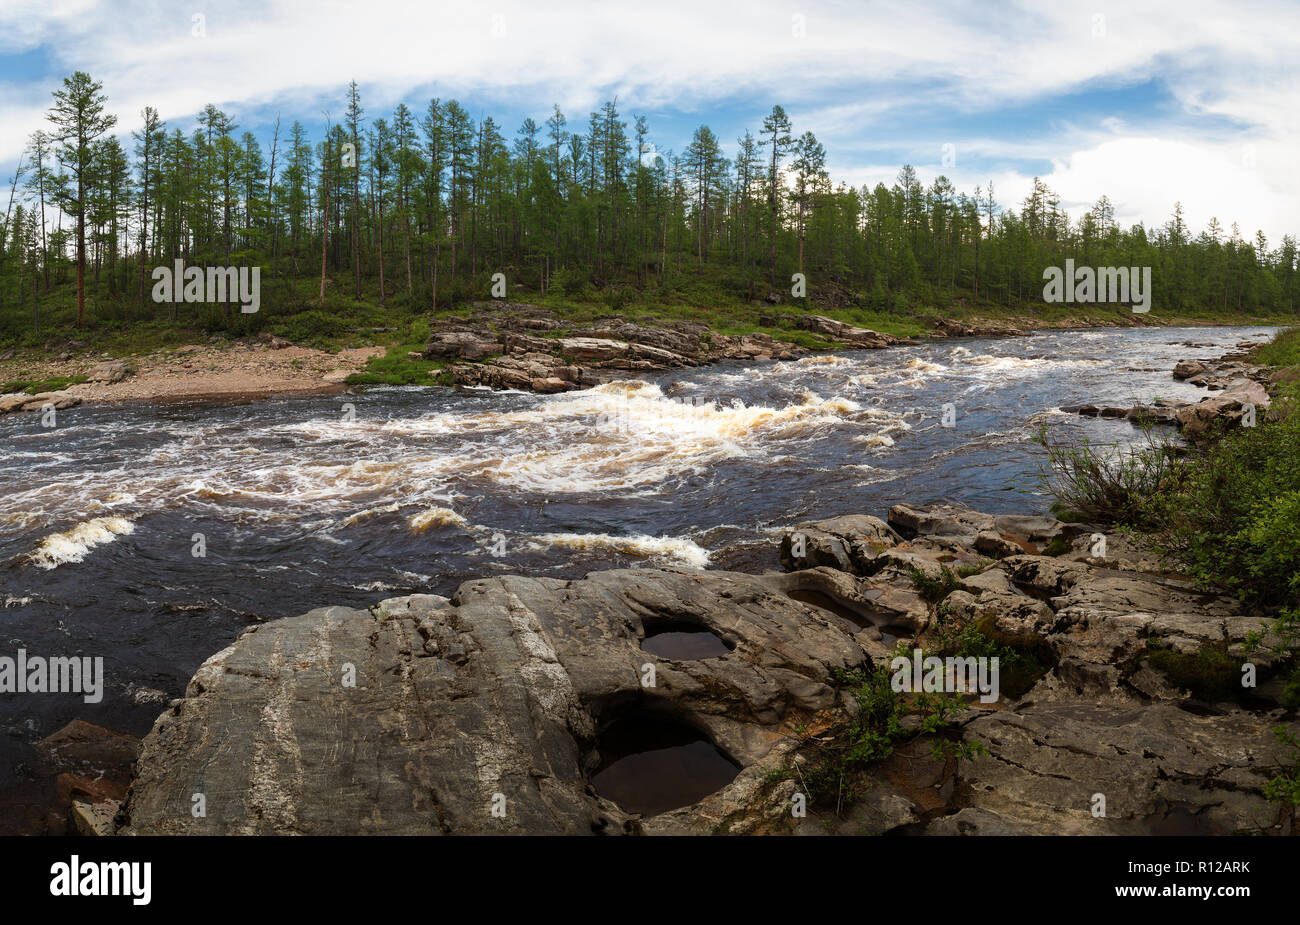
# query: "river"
348,499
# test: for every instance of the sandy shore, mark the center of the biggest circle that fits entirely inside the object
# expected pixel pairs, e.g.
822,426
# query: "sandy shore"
205,372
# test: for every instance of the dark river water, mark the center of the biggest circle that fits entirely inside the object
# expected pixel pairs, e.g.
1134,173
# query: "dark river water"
350,499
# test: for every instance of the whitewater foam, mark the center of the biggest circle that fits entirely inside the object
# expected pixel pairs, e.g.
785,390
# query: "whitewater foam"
436,517
73,545
655,547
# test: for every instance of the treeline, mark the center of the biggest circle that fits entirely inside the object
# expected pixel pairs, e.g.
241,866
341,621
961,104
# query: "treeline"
419,208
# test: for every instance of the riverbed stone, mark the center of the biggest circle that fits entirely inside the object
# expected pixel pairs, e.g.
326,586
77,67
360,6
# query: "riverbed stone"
109,371
851,543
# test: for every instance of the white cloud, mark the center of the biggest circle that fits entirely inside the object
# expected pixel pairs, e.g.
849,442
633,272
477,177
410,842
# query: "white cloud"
853,76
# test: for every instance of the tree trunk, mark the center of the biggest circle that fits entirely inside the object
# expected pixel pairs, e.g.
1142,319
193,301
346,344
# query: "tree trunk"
324,235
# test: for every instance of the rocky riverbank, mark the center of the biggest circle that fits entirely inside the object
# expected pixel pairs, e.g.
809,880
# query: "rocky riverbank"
524,347
1240,384
264,368
499,708
501,345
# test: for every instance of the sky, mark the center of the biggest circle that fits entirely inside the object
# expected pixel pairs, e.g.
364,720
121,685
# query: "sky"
1146,102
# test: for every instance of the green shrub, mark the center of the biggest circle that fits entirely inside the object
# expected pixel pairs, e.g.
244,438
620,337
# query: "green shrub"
1282,350
1105,484
1285,785
933,590
1022,660
1232,514
837,771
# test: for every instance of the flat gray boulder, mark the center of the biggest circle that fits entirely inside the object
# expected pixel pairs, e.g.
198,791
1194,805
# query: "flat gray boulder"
493,699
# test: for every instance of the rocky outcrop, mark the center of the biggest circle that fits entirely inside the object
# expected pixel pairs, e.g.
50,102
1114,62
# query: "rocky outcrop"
1227,408
949,327
496,697
1158,413
1220,374
109,371
1105,742
465,345
1242,386
847,333
523,347
41,401
1073,767
425,714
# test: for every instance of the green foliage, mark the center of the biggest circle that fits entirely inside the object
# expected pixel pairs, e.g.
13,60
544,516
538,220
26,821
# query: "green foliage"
1108,484
1285,785
1282,350
1022,660
1231,514
397,367
447,203
837,771
933,590
31,387
1058,546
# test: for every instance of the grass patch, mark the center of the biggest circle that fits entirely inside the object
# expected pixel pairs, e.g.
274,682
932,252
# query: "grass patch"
31,387
933,590
1022,659
397,367
1059,546
1282,350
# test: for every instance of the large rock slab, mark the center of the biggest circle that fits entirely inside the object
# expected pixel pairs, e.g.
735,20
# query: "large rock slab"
847,333
503,689
1229,407
465,345
1160,769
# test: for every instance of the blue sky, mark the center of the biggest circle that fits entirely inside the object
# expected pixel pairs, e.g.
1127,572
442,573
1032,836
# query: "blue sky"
1146,102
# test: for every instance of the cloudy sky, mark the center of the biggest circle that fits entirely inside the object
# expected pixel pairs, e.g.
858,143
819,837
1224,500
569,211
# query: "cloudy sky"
1147,102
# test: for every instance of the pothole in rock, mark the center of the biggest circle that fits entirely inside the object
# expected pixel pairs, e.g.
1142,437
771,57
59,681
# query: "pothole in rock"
826,602
650,765
682,641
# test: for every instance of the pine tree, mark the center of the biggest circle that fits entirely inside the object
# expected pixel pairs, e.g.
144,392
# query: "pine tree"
79,120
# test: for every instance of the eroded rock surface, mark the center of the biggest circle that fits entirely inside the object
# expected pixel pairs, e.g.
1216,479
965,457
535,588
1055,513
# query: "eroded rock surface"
518,346
501,690
504,690
1104,719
